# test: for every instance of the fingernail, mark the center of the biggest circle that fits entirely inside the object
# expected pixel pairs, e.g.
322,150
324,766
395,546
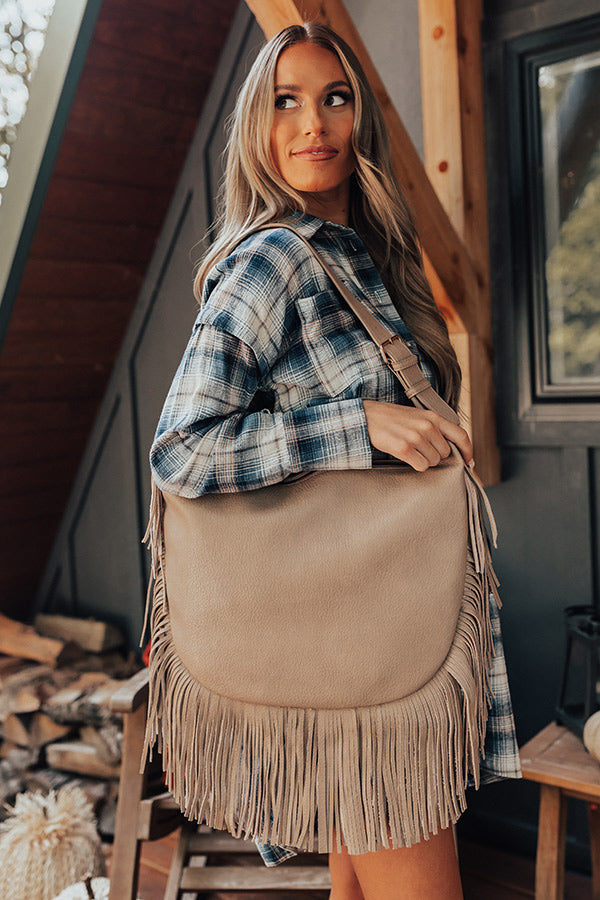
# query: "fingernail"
471,464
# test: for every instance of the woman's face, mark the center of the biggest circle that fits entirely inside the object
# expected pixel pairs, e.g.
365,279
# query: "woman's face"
311,137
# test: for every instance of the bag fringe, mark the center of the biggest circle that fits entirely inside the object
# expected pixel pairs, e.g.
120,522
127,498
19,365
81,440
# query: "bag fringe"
381,776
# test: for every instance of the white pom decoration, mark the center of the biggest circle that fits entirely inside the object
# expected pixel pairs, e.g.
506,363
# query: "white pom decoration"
100,888
47,843
591,735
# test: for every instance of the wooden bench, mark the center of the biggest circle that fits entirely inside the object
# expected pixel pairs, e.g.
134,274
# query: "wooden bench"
557,759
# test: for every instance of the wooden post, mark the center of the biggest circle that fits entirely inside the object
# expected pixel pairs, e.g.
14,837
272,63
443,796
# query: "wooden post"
469,14
126,855
594,831
441,104
550,862
451,86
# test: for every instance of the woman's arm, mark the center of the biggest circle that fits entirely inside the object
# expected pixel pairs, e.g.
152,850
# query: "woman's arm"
208,442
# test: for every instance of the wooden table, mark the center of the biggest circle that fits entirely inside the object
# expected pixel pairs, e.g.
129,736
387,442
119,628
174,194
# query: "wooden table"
558,760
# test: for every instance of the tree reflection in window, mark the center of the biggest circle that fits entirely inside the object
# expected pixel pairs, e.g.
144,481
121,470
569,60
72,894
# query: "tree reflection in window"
23,25
569,96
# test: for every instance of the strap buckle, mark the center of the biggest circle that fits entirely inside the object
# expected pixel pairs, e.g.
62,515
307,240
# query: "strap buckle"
406,359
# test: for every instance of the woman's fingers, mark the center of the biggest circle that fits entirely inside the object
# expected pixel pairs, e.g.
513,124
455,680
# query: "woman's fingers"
460,438
418,437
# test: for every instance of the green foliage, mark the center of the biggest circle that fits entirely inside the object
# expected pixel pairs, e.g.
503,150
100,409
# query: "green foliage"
573,286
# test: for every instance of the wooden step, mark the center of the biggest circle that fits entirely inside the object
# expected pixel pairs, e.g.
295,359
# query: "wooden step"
219,842
248,878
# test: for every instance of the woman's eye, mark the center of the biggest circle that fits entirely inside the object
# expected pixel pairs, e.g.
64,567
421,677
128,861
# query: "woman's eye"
285,101
338,99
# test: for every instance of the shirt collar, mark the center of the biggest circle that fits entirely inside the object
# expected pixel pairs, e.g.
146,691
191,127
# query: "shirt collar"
308,225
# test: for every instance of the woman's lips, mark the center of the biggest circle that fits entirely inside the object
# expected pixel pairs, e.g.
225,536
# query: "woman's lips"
316,153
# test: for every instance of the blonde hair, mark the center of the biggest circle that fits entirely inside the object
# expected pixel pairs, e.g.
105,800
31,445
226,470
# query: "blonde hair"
254,193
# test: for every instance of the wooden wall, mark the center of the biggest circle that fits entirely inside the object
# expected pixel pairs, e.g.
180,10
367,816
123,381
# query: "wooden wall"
143,85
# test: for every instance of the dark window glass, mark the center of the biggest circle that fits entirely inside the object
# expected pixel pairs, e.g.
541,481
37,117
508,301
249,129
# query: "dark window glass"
569,116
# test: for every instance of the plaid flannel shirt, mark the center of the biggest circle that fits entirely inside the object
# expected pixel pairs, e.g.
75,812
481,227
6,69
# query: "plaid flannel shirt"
272,382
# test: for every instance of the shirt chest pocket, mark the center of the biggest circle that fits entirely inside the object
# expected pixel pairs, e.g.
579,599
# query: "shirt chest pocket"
341,354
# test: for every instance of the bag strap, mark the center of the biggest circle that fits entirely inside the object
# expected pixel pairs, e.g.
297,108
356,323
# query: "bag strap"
396,354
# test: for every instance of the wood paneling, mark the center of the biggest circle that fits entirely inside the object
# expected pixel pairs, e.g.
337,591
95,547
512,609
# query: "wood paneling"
22,447
144,82
19,383
113,203
60,237
121,161
80,278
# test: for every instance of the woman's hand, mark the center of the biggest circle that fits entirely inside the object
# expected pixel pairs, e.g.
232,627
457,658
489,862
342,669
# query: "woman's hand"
418,437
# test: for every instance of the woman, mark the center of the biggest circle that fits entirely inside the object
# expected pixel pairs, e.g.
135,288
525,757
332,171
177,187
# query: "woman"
279,377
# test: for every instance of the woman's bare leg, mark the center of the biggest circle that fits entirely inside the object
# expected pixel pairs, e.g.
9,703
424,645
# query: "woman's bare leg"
428,869
344,883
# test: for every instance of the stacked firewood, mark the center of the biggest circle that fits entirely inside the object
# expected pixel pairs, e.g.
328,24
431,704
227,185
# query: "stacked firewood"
56,726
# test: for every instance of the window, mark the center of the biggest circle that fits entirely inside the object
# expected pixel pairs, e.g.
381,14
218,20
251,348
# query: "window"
569,106
42,48
23,25
554,150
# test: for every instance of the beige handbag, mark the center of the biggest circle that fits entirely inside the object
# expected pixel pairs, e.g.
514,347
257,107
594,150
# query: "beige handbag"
320,648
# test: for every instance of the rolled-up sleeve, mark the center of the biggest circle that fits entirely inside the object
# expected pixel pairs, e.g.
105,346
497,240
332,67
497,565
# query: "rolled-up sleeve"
208,442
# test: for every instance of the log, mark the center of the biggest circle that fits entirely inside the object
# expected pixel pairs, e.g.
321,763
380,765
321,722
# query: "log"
11,782
26,690
96,705
27,698
113,664
64,705
20,690
9,665
6,747
85,700
43,730
11,768
108,812
17,639
15,729
77,756
45,779
91,634
32,730
107,739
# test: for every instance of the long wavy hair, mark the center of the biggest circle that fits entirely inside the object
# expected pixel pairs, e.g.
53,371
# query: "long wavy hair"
254,193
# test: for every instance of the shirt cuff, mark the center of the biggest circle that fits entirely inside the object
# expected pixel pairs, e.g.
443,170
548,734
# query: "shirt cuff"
329,435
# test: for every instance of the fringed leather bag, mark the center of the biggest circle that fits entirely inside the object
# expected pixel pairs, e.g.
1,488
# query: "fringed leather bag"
320,648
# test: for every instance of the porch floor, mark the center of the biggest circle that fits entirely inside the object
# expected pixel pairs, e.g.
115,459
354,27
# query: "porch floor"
487,874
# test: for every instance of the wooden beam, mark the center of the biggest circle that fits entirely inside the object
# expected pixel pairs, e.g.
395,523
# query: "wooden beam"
451,84
440,240
444,303
275,15
469,14
441,104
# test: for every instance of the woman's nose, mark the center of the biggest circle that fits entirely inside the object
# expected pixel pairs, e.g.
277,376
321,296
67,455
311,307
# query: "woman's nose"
313,120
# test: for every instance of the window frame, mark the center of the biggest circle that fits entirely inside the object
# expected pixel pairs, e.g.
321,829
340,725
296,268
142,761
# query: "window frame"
38,138
530,410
